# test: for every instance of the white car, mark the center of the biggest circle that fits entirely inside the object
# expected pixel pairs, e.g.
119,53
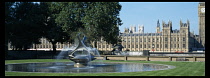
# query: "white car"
200,51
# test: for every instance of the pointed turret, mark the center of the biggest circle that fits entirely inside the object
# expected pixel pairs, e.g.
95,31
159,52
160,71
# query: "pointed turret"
158,23
158,27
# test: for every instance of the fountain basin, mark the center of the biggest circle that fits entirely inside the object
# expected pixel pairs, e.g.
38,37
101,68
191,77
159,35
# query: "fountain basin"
93,67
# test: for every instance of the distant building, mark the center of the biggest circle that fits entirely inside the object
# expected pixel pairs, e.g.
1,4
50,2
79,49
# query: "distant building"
167,40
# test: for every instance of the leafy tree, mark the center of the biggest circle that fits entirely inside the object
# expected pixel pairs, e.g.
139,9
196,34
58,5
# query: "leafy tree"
54,32
95,19
27,27
8,21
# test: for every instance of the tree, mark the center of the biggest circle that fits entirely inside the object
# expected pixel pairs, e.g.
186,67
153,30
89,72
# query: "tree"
27,27
8,21
54,32
95,19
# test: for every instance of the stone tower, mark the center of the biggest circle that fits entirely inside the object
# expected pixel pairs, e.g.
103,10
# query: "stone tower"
201,16
184,35
166,35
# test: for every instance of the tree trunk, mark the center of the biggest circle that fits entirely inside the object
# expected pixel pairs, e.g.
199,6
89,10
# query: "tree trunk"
25,47
54,48
6,48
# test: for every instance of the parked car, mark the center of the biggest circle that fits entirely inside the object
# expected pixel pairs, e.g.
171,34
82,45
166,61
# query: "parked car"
200,51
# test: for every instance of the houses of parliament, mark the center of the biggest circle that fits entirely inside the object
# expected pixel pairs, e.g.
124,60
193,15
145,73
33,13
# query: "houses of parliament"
165,39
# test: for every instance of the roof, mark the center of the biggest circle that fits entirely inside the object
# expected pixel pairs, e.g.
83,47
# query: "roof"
140,34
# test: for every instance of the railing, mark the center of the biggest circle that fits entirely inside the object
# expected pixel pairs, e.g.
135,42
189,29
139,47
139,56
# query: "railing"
152,58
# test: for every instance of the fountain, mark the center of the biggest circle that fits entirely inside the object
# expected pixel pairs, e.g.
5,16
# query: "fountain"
80,53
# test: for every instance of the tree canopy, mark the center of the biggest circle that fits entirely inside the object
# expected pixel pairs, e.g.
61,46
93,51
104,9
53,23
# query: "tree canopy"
27,22
25,25
96,19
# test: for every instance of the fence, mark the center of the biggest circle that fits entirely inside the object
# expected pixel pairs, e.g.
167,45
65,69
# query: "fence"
152,58
176,54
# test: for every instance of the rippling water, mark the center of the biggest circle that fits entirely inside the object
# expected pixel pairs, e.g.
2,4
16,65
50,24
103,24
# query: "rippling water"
93,67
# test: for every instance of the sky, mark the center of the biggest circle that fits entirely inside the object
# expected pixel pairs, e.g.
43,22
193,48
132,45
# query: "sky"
148,13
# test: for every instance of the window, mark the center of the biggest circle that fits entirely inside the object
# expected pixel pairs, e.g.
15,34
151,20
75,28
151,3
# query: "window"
136,46
136,39
58,46
132,40
99,46
125,46
183,31
103,46
148,39
37,46
166,39
153,40
157,39
107,46
174,39
128,46
174,45
149,46
178,46
47,41
144,39
61,45
132,46
145,46
184,38
177,39
166,45
140,46
184,45
157,46
140,39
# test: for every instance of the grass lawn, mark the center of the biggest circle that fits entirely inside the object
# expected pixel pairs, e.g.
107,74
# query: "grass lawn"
182,69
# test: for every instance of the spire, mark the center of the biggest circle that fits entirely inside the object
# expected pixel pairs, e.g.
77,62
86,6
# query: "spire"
163,23
180,22
158,23
188,22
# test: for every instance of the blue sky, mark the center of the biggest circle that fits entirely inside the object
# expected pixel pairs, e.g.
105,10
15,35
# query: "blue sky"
148,13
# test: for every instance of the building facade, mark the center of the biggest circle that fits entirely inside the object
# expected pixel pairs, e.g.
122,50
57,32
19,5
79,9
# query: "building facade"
167,40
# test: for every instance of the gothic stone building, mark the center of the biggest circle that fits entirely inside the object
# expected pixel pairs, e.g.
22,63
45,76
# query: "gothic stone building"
167,40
